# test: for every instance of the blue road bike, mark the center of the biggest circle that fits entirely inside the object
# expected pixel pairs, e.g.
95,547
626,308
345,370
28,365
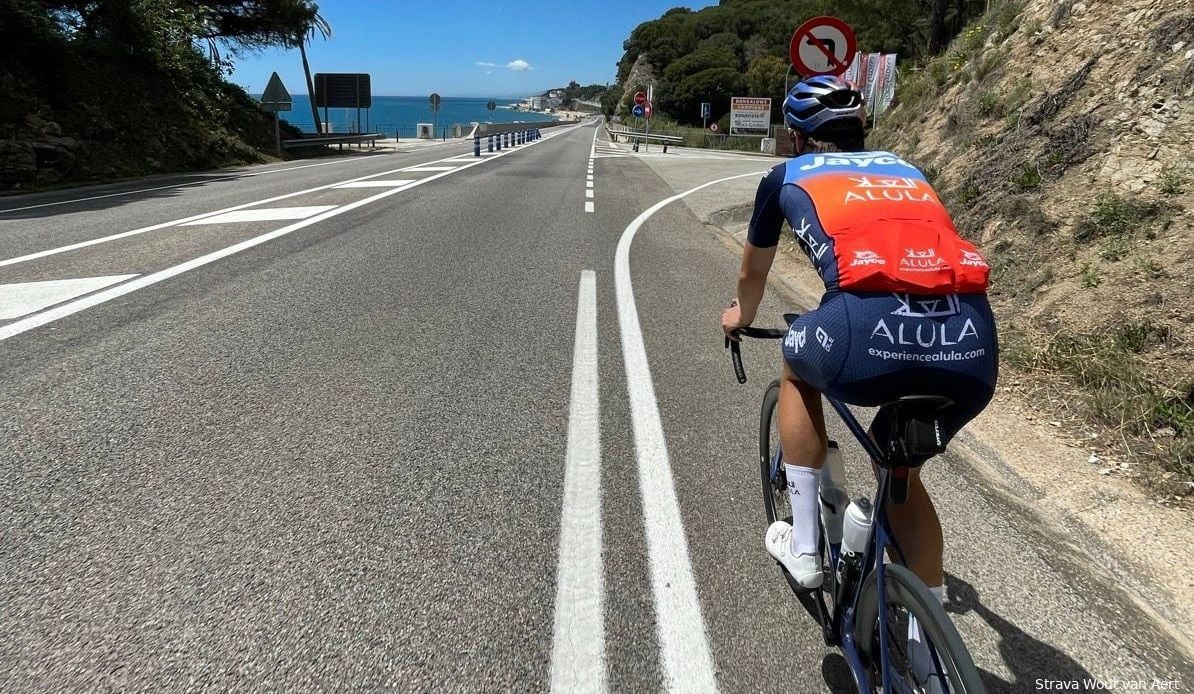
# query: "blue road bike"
864,603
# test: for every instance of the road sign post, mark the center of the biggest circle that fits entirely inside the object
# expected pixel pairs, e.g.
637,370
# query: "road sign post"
275,98
434,100
822,46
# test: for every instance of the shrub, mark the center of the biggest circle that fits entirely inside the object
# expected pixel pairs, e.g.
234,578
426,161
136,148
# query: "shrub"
1029,177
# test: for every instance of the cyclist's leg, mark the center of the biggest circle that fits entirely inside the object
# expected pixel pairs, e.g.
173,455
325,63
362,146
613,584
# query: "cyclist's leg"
801,422
918,532
802,434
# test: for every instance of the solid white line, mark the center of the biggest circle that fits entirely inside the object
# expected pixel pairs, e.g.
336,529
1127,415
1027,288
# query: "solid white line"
683,643
51,315
588,206
430,168
578,642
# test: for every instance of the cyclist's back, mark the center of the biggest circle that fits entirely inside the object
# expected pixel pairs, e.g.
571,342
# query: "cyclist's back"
905,309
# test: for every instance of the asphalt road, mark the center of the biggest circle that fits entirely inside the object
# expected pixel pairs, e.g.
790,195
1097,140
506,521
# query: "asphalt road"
335,446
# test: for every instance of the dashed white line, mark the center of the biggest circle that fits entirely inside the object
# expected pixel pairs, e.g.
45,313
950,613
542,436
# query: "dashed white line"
391,183
589,193
683,643
589,206
263,214
578,640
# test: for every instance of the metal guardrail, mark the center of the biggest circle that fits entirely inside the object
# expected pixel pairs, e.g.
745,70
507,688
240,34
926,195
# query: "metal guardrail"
341,140
615,133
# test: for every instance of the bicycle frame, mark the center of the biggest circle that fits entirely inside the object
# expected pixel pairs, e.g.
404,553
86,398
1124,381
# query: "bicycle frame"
840,625
880,539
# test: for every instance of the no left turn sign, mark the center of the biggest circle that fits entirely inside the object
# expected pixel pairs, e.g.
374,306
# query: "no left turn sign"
822,46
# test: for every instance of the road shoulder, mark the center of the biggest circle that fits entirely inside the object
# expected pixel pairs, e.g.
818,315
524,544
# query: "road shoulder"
1123,538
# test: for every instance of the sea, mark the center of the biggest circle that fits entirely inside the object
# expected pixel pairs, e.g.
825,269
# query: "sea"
400,115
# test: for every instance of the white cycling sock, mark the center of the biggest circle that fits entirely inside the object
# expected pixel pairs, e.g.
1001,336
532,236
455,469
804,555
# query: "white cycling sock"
919,657
803,483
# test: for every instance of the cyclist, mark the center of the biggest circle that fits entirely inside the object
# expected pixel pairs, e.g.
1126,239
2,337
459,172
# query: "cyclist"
904,311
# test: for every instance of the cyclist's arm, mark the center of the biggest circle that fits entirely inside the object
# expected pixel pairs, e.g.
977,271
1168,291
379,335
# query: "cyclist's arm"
761,241
752,279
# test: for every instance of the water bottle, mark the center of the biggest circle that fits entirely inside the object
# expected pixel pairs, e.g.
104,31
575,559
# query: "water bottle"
856,526
833,494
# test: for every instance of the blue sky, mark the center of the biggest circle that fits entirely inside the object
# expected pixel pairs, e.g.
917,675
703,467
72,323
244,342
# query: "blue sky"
464,48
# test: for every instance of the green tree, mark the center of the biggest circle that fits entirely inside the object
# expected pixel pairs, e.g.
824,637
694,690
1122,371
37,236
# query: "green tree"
765,78
715,85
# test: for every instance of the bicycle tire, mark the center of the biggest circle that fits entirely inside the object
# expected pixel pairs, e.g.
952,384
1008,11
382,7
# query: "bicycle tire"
907,591
775,492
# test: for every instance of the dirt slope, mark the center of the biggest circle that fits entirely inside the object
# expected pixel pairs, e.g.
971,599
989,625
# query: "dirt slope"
1061,136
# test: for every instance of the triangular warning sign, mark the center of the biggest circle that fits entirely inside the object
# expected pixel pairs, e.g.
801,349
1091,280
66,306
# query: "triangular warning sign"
275,91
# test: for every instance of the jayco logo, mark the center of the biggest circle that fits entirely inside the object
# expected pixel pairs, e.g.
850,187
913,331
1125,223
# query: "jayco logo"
920,261
867,258
861,161
973,259
795,340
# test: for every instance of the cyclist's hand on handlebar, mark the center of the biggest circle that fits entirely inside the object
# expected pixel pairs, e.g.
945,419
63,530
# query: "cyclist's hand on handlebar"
731,321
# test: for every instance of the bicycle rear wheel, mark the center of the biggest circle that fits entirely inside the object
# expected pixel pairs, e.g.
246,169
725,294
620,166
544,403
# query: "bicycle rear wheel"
775,483
908,597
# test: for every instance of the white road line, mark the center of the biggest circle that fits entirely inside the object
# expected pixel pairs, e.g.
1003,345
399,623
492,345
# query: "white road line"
589,193
683,643
184,220
589,183
179,222
64,310
389,183
419,169
205,179
23,298
578,642
263,214
588,206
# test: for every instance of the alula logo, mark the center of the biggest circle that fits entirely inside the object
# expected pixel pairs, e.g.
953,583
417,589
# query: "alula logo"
920,260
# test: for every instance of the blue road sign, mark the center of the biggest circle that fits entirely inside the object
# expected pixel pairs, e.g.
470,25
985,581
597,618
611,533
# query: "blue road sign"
706,110
638,111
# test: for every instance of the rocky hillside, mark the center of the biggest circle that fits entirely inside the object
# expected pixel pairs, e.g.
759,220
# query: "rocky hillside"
1061,136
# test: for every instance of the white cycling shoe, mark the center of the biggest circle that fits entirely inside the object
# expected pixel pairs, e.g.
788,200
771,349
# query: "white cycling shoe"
805,568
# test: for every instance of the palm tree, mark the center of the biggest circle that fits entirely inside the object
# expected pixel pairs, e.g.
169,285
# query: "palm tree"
318,23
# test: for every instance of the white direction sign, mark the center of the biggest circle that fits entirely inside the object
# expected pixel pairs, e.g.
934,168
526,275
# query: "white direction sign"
750,116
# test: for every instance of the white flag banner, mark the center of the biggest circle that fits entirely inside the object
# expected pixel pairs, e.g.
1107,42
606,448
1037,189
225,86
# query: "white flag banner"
885,91
872,79
855,67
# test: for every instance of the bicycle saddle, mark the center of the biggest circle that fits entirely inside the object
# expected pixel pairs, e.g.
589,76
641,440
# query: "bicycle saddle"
908,430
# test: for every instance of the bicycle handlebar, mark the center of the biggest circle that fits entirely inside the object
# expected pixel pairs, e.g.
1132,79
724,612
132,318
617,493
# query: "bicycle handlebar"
736,350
